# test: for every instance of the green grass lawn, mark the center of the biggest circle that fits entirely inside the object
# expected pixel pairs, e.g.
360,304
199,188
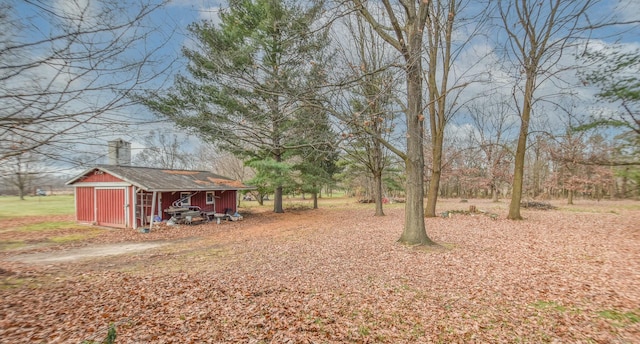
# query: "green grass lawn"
11,206
41,229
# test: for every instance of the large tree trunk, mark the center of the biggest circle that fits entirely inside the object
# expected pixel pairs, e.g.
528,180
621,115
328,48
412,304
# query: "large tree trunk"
377,167
414,229
377,191
277,197
518,173
570,197
434,182
432,194
414,232
315,200
277,201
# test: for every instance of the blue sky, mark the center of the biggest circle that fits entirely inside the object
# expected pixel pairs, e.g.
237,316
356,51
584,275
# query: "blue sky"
168,25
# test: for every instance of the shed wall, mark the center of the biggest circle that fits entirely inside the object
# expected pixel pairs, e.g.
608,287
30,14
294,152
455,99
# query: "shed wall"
226,201
85,206
111,206
99,176
223,200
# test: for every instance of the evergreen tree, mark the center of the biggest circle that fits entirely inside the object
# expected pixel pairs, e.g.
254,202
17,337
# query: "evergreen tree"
318,154
249,80
615,73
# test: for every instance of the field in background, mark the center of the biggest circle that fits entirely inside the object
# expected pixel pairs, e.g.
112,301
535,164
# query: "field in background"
38,206
11,206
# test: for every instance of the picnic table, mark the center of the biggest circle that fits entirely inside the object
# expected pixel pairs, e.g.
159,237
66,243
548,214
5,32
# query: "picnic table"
186,214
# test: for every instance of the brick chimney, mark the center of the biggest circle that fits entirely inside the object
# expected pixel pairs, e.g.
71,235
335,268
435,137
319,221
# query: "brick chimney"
119,153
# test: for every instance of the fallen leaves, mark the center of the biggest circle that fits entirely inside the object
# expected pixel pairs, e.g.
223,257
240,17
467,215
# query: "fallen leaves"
338,275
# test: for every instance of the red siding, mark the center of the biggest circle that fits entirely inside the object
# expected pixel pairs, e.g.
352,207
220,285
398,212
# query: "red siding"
227,200
223,200
200,200
168,198
84,204
110,207
106,206
99,176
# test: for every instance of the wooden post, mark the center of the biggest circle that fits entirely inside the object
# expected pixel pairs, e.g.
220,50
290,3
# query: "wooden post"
134,190
153,209
142,217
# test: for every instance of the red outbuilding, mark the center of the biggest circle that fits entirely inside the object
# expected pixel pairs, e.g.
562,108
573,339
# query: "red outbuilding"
133,197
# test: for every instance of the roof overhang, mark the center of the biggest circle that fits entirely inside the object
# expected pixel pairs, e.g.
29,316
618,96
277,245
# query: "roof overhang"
193,190
77,182
98,168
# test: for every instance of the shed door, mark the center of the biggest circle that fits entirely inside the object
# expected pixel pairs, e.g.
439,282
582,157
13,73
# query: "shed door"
110,207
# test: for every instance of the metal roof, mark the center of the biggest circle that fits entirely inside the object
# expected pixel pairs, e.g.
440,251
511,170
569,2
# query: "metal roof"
158,179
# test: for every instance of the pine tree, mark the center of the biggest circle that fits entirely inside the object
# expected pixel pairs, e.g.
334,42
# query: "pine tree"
249,79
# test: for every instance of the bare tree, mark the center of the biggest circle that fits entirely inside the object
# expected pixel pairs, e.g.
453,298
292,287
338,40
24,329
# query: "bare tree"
493,123
20,172
444,83
403,28
538,35
67,69
371,101
165,150
569,149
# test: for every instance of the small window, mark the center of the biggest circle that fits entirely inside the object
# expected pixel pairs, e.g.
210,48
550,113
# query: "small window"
185,198
210,197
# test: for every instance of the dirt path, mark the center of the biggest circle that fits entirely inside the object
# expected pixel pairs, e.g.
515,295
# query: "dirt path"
269,225
83,253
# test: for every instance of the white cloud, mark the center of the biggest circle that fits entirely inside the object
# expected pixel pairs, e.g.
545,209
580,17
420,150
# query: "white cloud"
203,9
628,10
82,13
211,14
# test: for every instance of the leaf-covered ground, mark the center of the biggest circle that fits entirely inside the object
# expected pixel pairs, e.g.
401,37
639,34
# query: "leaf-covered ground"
337,275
